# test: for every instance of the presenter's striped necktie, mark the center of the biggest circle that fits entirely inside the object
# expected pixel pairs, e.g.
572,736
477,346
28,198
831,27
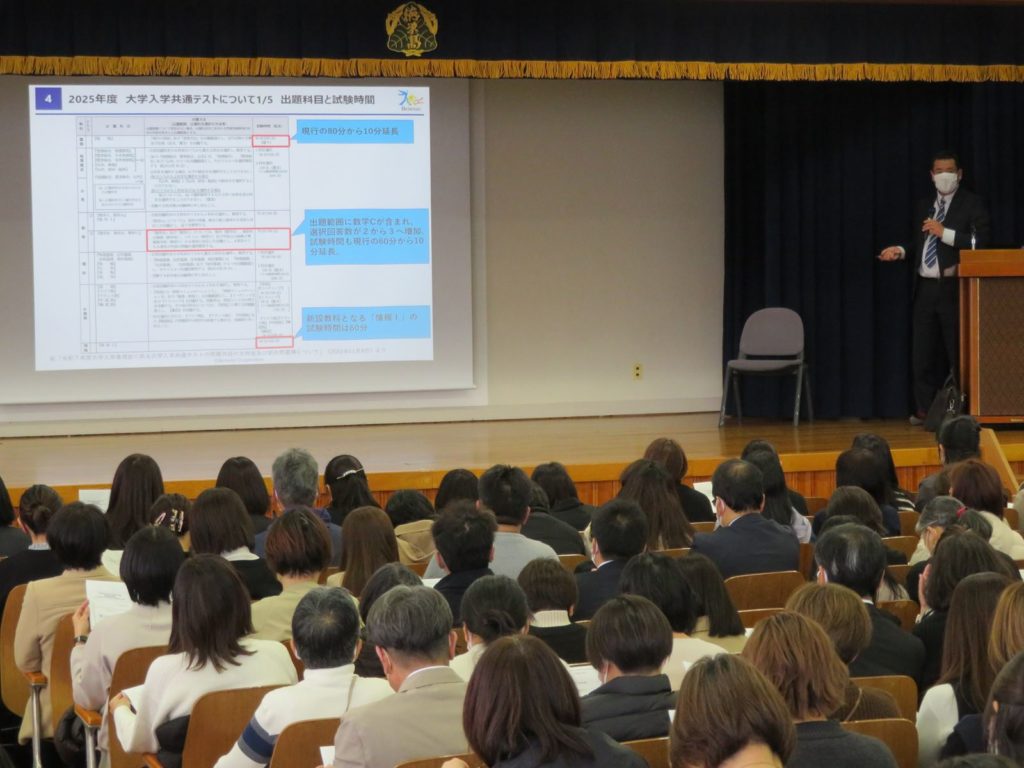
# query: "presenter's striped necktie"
931,251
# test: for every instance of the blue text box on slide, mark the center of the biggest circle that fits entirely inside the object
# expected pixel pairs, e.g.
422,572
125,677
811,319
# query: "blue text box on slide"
366,236
365,323
354,132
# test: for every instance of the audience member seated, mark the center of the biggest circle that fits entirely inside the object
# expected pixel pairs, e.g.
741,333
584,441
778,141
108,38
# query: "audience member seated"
77,535
855,502
649,484
939,515
370,543
668,453
853,556
628,643
209,651
37,507
863,468
618,533
844,617
412,515
1000,729
1007,638
172,511
242,476
298,549
221,526
777,505
345,478
551,597
563,498
411,628
659,578
978,761
956,557
493,607
464,535
967,672
540,723
879,446
718,621
456,485
746,542
796,655
12,538
734,717
325,636
978,486
149,566
386,577
296,484
136,485
506,492
541,526
959,439
795,497
889,588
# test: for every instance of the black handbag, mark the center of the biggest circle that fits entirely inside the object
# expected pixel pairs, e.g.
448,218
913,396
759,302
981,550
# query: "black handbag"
69,739
949,401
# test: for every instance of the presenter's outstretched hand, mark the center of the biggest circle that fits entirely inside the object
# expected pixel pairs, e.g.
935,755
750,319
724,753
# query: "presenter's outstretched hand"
892,253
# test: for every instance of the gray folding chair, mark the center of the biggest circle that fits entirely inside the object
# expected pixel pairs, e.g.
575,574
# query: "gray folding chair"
772,344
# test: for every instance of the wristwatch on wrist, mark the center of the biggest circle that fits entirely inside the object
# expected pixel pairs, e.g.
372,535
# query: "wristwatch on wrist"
81,639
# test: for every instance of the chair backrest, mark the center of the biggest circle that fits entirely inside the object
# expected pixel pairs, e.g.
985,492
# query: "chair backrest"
300,667
326,572
806,559
815,504
436,762
904,544
419,567
13,687
217,721
902,688
763,590
751,616
905,610
60,668
675,552
298,745
703,527
908,522
773,332
129,670
898,734
1012,518
899,572
654,751
569,562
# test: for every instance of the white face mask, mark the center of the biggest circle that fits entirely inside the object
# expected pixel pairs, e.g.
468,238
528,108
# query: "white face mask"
946,183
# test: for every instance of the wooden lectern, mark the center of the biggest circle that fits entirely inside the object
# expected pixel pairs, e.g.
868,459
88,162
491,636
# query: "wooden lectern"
992,334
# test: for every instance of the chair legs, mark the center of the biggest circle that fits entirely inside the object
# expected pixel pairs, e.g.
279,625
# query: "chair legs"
735,379
802,383
37,725
803,395
90,747
725,397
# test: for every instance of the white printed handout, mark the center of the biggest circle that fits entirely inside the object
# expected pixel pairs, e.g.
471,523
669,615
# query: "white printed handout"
106,598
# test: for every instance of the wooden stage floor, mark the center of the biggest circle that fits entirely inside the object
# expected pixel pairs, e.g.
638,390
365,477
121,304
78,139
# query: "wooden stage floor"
599,444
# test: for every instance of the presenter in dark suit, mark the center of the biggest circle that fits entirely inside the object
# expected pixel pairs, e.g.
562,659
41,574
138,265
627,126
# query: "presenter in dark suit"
746,542
954,220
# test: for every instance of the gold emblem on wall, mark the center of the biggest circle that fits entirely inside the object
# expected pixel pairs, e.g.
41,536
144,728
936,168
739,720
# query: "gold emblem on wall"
412,30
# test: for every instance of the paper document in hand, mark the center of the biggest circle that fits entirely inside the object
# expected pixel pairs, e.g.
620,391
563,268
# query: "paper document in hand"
106,598
585,677
98,496
327,755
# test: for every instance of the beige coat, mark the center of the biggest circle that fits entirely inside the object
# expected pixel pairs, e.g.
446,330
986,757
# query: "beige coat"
415,542
46,602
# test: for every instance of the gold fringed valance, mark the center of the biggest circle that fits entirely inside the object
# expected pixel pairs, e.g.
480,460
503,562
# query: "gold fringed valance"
153,66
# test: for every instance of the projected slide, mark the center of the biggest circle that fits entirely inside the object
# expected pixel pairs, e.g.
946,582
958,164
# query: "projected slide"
203,225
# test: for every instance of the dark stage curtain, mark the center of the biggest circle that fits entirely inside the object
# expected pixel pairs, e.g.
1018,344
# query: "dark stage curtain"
818,178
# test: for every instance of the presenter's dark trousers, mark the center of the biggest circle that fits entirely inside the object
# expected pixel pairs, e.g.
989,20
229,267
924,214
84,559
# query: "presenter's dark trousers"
936,341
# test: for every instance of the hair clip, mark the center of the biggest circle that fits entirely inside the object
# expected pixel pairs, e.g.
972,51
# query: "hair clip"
348,472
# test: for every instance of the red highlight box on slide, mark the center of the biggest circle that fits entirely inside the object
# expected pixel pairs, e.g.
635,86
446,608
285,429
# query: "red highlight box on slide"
275,342
203,239
271,141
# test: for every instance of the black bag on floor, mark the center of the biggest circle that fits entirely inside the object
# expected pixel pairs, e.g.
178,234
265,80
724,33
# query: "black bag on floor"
949,401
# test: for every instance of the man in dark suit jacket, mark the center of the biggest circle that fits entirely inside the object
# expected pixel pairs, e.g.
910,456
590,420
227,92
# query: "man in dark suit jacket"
617,533
955,219
746,542
853,556
542,526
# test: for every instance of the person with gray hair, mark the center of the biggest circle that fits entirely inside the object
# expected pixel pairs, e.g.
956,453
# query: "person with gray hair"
853,556
325,636
296,484
411,628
